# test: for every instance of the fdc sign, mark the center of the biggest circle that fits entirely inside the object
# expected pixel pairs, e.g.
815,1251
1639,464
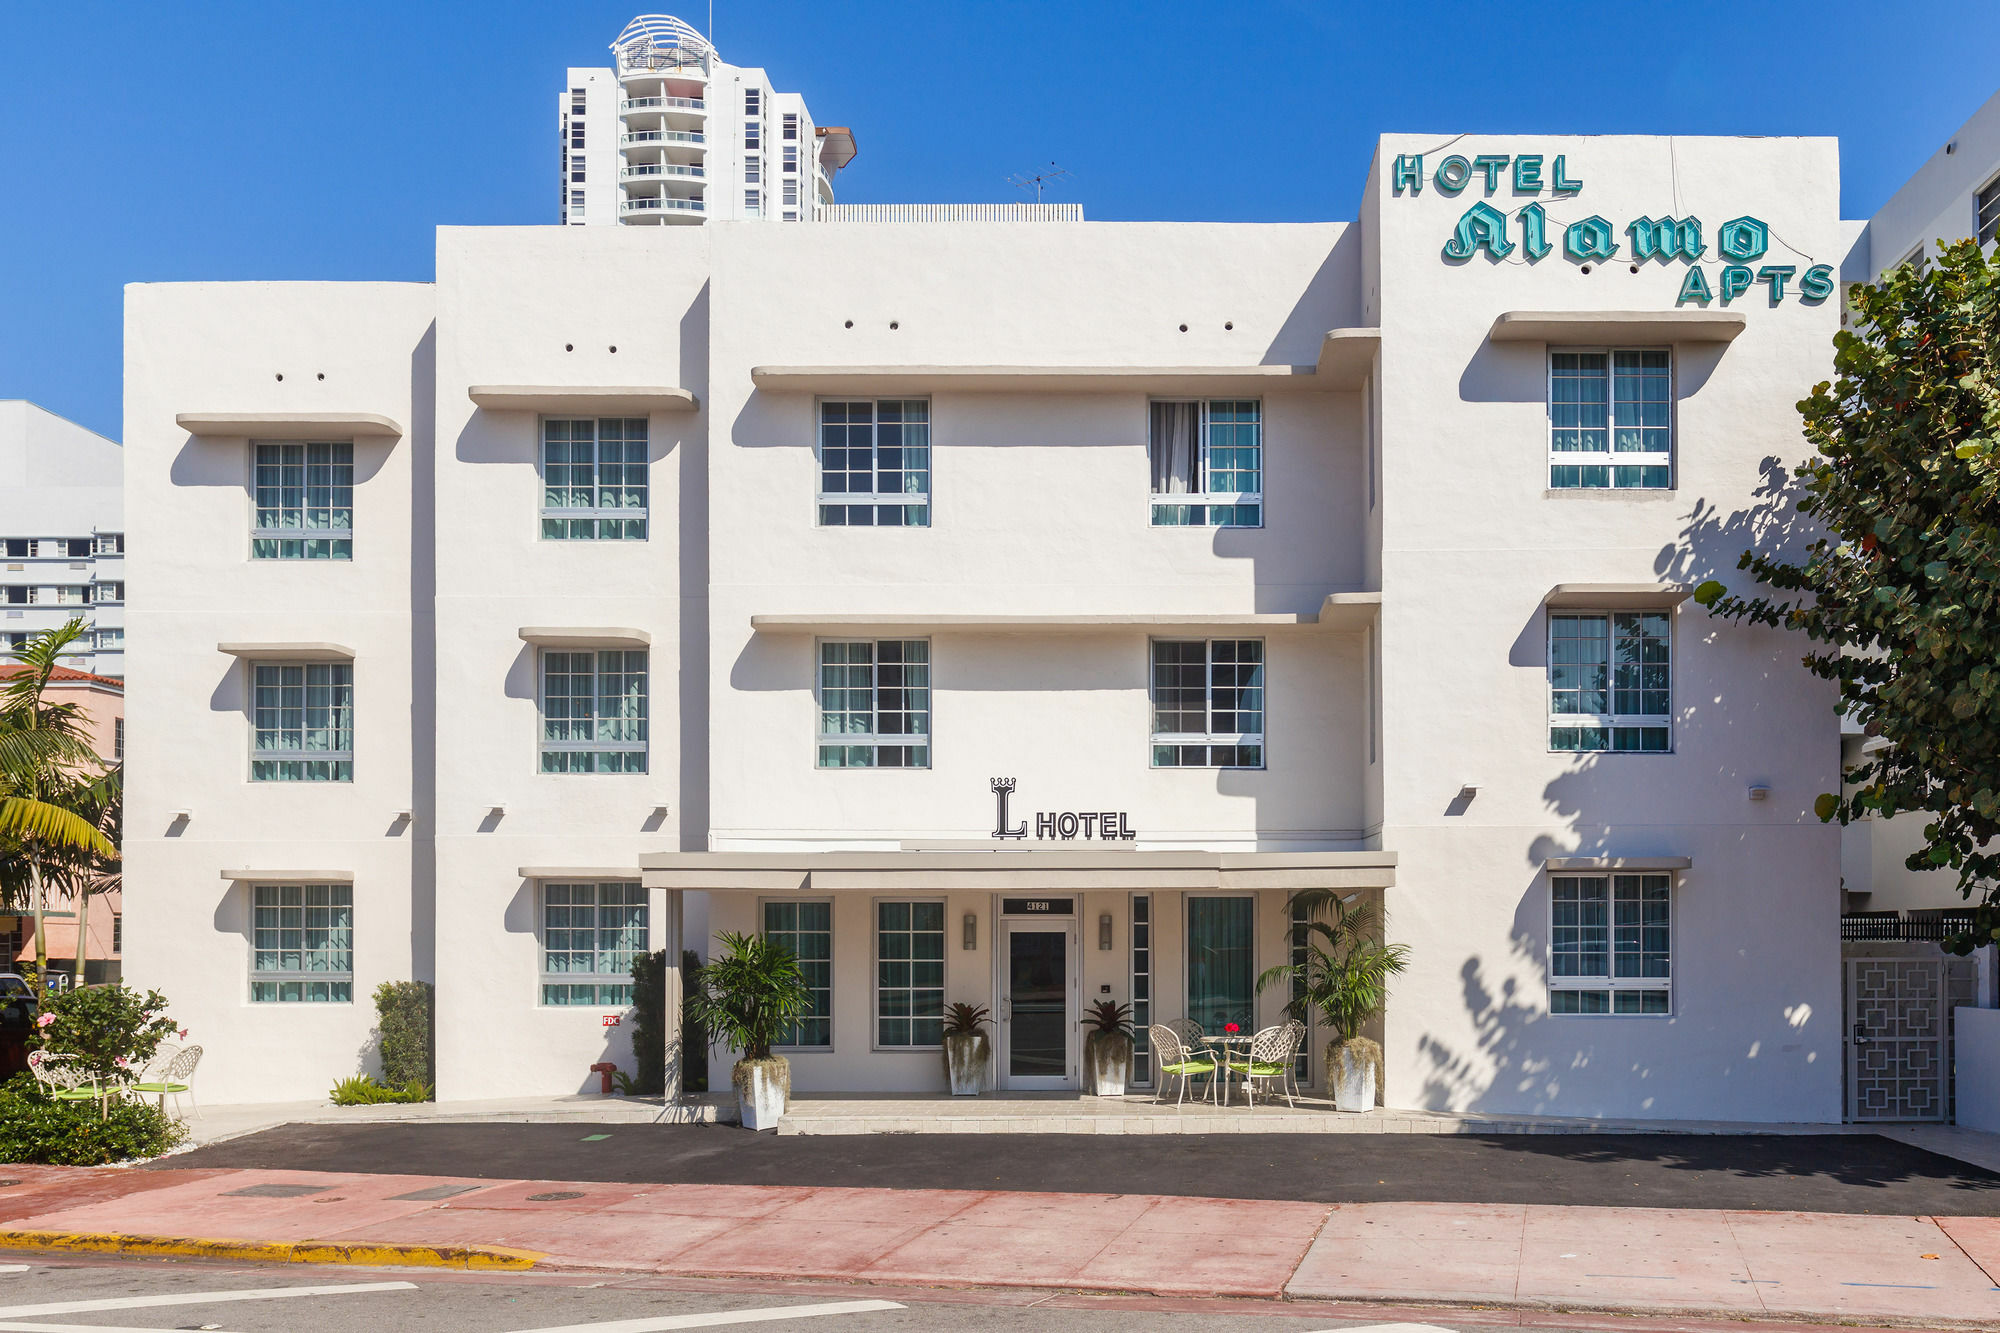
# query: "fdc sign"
1483,227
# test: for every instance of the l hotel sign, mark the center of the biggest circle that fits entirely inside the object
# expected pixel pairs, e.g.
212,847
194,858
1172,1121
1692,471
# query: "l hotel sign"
1059,825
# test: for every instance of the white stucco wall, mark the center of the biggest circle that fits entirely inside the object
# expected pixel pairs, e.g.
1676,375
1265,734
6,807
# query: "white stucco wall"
1937,203
1473,540
201,347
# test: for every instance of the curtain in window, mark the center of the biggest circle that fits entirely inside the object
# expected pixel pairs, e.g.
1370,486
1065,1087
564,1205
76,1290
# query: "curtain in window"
1175,448
1221,960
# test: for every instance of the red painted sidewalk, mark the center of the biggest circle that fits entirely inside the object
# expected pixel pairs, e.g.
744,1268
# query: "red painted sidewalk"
1923,1271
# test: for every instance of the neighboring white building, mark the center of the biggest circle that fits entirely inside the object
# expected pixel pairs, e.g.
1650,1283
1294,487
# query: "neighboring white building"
1013,615
62,534
672,133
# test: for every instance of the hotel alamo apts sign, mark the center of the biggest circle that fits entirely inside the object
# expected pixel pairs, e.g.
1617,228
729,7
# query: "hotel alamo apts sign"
1741,241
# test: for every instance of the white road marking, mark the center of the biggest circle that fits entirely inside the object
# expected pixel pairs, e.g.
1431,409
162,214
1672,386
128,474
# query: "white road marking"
14,1313
14,1326
720,1318
1387,1328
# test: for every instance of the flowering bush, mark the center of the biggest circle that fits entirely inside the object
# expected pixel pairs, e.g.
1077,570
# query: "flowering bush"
107,1028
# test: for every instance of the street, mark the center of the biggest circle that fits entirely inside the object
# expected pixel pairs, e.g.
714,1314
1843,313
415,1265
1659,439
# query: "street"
50,1297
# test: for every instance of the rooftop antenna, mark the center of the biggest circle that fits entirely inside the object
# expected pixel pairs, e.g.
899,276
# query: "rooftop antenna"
1037,180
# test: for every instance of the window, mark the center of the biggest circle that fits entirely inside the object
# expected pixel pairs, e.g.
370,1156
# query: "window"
909,974
1610,420
791,161
576,203
791,128
18,548
78,548
753,135
70,594
1609,687
576,171
753,202
1300,942
12,941
1208,703
111,590
753,101
1142,989
807,930
303,944
118,739
590,934
753,170
17,594
110,638
118,932
305,502
304,716
594,479
875,463
594,711
1986,217
1221,962
1208,464
1608,945
791,200
875,703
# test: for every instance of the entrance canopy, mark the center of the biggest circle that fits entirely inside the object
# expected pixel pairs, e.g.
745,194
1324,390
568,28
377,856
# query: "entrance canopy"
1004,866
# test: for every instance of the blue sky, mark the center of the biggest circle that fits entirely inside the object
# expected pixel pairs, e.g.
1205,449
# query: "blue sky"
218,139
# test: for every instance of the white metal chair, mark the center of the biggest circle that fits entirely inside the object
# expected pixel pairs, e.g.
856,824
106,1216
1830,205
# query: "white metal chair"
1269,1061
1187,1030
170,1074
1299,1033
65,1078
1172,1059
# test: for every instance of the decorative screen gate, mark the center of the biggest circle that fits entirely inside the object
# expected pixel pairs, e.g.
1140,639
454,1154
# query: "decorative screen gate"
1897,1040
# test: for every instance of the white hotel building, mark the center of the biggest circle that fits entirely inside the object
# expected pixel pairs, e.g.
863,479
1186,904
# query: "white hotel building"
746,562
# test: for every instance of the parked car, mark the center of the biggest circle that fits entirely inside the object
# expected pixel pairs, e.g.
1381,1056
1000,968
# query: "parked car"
18,1011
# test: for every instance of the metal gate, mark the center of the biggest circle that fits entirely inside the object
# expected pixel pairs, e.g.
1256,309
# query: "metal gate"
1897,1047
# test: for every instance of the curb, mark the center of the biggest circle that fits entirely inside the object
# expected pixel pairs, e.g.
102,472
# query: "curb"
475,1258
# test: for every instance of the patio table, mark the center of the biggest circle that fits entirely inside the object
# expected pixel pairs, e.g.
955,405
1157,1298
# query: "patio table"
1225,1040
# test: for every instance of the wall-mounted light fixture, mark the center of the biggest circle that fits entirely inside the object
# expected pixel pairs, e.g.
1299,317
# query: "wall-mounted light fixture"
1759,791
1104,930
971,931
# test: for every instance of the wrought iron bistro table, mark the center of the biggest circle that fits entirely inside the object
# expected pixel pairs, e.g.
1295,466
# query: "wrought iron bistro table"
1225,1040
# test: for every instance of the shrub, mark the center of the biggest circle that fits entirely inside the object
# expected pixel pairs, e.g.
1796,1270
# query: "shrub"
403,1027
362,1090
34,1128
100,1025
649,1001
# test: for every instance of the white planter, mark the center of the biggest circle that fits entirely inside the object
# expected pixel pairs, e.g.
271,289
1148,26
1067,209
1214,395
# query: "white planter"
1107,1063
965,1056
1352,1066
762,1089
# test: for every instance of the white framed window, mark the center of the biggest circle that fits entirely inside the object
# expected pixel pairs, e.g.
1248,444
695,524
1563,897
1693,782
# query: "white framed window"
576,203
70,594
753,135
111,543
303,714
753,170
1208,703
305,501
302,944
791,160
1611,419
791,199
17,594
591,932
875,463
107,592
1609,945
594,711
1610,681
874,703
791,123
909,975
118,739
1207,463
1986,213
806,928
1142,989
110,638
594,479
753,202
753,101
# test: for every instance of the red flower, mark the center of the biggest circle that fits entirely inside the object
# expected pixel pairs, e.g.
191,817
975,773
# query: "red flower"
1229,1027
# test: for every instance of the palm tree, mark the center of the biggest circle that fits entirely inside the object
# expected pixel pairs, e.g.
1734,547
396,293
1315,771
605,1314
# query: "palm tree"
59,802
1343,973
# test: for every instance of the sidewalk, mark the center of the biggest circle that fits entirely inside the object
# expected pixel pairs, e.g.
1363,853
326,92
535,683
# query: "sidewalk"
1917,1271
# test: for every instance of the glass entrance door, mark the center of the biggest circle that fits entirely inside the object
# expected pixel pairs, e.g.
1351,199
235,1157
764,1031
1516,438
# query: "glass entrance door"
1036,1018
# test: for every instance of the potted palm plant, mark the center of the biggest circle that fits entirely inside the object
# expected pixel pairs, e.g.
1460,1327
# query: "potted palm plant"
1107,1051
747,997
1342,973
966,1047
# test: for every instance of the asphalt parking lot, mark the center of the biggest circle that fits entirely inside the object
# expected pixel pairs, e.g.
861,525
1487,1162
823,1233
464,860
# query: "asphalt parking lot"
1826,1173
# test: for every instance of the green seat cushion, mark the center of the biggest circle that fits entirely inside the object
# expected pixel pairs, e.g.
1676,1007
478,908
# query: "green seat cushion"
159,1087
1189,1067
1257,1070
79,1094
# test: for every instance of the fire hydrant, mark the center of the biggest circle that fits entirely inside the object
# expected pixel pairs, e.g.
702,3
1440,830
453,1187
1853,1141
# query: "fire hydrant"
604,1071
